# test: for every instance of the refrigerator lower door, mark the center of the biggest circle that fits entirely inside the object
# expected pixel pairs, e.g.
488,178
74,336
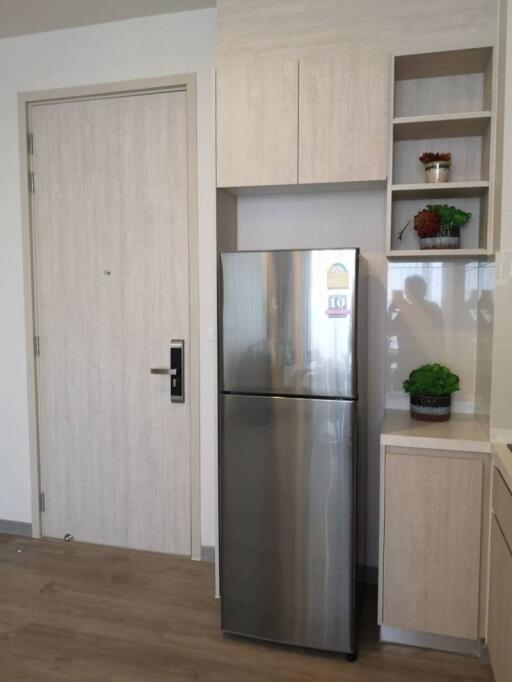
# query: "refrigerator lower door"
287,520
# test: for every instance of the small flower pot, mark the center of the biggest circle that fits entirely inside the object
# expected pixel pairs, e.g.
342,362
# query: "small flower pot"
437,171
431,408
448,237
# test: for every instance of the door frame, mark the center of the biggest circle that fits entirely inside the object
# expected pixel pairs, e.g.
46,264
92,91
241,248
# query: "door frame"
26,100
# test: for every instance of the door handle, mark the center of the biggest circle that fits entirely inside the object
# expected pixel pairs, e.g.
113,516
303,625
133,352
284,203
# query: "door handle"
175,371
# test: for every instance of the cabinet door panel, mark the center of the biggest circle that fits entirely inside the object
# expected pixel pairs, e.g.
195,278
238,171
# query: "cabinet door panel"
344,117
257,124
499,635
432,526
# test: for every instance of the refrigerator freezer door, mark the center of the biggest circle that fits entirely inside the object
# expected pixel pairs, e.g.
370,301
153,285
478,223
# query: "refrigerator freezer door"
288,322
287,520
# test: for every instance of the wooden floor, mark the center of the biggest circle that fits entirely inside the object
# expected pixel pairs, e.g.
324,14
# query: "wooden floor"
78,612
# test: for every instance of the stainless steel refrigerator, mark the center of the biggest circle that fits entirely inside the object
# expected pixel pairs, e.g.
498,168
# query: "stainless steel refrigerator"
288,416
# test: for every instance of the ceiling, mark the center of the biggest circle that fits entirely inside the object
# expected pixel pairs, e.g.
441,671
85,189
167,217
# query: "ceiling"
19,17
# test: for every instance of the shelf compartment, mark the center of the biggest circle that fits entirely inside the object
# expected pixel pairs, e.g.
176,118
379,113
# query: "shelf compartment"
468,124
404,208
439,190
439,64
437,253
443,82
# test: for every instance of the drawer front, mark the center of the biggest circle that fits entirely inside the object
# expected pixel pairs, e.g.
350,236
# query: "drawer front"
502,505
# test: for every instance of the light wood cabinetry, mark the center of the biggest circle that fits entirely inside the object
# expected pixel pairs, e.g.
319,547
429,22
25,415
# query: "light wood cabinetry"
502,505
323,120
251,28
343,117
499,628
443,102
257,124
431,551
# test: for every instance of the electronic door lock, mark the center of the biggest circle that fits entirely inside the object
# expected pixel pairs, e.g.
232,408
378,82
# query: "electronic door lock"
176,371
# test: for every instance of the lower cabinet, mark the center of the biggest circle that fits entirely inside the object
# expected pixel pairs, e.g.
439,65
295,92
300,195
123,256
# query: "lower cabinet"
431,527
499,624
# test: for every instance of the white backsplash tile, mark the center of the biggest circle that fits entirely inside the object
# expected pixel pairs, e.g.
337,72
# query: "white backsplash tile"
501,403
503,300
485,320
501,417
438,312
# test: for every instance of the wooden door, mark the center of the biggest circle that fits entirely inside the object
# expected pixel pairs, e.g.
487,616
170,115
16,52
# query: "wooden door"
432,525
112,288
499,631
344,117
257,124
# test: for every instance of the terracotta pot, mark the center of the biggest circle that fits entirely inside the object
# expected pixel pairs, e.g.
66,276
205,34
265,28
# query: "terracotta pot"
431,408
437,171
448,237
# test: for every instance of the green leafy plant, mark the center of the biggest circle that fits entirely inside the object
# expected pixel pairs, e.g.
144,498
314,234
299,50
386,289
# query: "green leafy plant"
431,380
450,215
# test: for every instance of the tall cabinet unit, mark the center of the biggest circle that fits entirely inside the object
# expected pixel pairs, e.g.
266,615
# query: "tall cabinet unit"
442,102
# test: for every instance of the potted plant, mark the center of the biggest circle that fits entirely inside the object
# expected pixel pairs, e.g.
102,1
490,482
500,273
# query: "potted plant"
430,388
438,226
437,166
451,219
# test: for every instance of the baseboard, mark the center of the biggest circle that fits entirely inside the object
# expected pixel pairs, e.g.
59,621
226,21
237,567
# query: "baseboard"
467,647
484,654
16,528
208,554
367,574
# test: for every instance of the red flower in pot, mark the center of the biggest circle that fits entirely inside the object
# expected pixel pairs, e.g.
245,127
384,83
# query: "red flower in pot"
426,223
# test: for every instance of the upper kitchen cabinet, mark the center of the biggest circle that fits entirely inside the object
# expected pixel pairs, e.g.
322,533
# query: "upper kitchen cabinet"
257,124
344,117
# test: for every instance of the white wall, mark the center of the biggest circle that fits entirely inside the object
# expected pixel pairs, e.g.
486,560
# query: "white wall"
501,399
138,48
354,218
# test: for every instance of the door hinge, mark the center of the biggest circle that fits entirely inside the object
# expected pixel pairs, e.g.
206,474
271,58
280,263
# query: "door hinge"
42,502
31,182
30,143
36,345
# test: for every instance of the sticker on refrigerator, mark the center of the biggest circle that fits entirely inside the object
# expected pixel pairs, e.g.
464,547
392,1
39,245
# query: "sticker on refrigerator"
337,277
337,305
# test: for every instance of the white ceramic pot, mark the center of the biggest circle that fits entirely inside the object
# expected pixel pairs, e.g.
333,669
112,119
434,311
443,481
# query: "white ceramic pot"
437,171
447,238
431,408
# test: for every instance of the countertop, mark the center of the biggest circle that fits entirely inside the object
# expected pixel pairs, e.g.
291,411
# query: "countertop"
463,432
503,460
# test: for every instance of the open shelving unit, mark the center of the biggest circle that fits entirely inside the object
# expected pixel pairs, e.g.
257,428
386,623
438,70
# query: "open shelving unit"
442,102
